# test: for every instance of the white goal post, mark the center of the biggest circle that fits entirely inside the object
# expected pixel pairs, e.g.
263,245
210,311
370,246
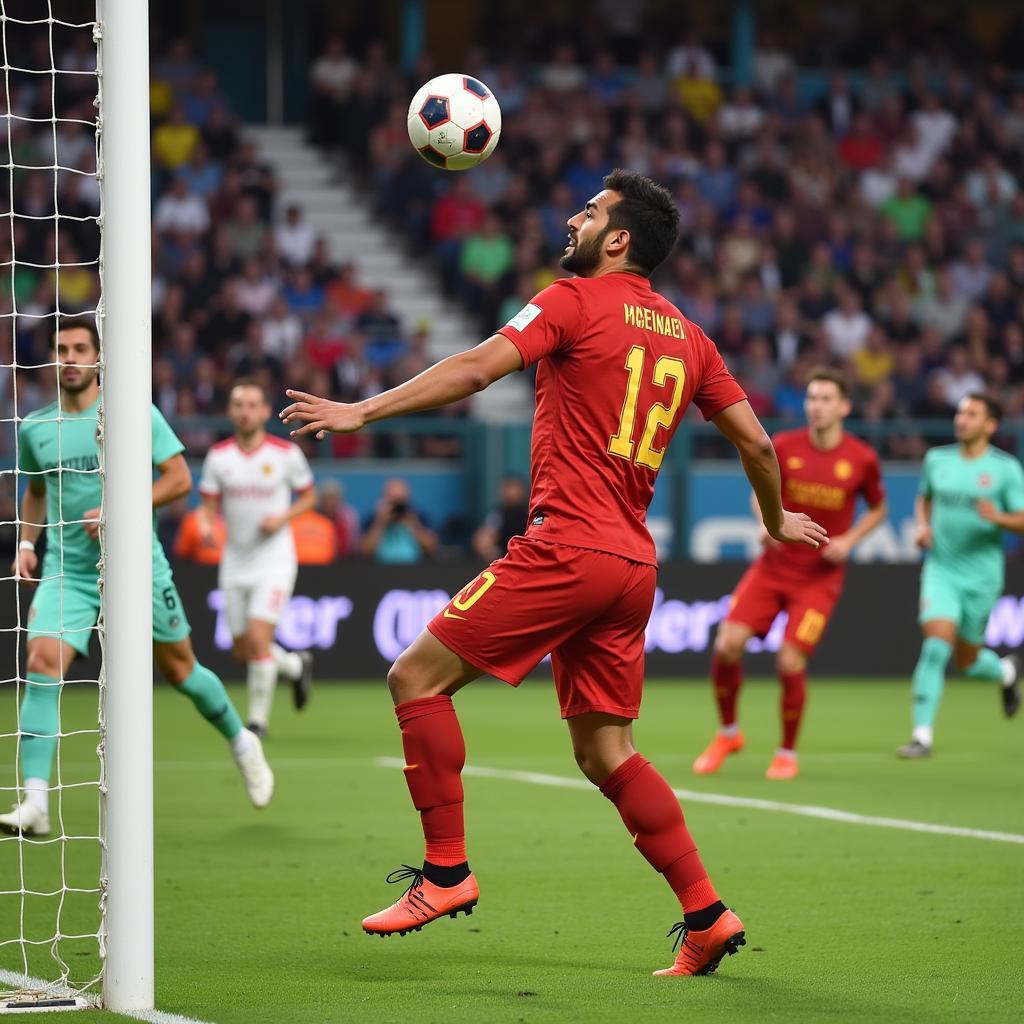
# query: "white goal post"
127,468
85,887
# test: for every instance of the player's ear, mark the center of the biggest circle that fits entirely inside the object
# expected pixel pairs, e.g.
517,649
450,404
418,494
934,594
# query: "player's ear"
617,242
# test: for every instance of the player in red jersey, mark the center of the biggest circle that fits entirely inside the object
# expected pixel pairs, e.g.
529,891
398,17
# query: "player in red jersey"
824,472
617,367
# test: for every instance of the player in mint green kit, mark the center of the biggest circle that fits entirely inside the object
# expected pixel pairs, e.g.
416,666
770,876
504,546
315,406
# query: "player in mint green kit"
970,492
60,458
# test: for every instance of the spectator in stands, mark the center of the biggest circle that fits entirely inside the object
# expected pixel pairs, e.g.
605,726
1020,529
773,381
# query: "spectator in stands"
281,332
958,378
247,232
396,534
487,260
505,521
332,77
294,238
174,140
181,212
846,328
332,504
315,538
198,544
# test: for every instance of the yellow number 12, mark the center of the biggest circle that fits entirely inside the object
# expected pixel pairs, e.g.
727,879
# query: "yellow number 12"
659,415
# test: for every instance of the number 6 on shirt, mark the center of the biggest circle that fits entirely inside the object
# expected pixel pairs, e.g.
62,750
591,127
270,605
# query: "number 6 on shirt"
659,415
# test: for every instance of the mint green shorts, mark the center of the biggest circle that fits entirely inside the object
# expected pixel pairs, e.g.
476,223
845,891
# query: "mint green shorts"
944,595
68,607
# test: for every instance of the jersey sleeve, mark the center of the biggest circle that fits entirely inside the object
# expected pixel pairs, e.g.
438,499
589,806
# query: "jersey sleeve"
165,442
550,321
872,488
1013,491
209,481
27,462
924,487
718,388
300,476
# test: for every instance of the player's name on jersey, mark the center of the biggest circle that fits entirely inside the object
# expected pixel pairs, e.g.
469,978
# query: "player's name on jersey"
815,495
78,462
647,319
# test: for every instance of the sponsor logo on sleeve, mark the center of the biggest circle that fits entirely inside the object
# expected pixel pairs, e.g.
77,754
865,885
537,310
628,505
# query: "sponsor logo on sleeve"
525,317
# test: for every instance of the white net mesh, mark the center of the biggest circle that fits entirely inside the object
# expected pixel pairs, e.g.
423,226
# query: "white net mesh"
51,887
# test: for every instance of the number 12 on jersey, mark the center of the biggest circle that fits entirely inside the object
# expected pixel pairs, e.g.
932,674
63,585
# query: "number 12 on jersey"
659,415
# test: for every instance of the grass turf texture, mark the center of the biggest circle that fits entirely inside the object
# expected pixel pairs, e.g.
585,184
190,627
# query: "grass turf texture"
258,912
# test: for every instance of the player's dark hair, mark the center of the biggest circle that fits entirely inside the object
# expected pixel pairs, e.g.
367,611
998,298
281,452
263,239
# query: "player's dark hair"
831,374
648,212
79,323
993,407
250,382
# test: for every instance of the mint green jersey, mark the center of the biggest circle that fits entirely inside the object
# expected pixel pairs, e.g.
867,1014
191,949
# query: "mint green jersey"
64,453
962,542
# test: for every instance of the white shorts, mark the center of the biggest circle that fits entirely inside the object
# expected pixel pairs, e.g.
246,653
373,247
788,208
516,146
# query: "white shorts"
263,599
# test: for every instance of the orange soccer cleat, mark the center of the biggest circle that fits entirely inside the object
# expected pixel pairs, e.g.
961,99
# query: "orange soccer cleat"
421,903
716,752
701,952
783,766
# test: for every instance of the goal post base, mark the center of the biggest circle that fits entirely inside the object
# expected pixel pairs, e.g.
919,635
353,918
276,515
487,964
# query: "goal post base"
42,1002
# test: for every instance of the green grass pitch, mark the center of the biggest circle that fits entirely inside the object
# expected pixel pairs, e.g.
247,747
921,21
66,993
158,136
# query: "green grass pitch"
258,912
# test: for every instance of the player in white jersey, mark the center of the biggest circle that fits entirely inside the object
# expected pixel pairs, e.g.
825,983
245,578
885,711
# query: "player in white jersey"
251,477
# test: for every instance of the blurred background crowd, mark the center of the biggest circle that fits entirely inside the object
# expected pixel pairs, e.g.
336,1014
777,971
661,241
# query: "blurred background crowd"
856,201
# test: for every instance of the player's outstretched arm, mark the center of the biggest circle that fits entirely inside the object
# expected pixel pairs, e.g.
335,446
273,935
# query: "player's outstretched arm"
739,424
448,381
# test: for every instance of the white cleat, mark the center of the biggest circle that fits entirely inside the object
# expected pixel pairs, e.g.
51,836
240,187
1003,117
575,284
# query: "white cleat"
256,773
25,819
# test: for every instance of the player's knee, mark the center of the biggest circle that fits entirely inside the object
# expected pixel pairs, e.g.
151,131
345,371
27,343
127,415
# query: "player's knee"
587,763
42,662
240,649
256,646
405,683
789,660
174,665
964,659
729,646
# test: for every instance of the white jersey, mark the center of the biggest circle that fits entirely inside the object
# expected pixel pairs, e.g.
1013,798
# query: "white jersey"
250,487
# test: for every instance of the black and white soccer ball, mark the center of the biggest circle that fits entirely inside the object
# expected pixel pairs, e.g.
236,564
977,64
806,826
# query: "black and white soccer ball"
454,122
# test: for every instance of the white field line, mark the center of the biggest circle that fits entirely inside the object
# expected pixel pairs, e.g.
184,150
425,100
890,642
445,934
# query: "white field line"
750,803
19,981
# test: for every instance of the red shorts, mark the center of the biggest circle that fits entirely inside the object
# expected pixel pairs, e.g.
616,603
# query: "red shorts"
588,609
808,600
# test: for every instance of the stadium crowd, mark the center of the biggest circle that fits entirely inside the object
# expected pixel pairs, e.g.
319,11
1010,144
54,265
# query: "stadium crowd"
878,225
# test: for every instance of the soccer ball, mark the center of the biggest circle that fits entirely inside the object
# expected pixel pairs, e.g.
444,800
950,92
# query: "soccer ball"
454,122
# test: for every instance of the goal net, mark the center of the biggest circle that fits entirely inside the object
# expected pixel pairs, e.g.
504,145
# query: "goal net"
52,886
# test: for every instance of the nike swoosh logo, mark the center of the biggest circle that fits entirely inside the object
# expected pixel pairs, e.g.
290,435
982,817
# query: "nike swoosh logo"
451,615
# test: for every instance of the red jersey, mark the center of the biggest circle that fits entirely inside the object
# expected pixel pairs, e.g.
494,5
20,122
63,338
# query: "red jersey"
619,365
825,485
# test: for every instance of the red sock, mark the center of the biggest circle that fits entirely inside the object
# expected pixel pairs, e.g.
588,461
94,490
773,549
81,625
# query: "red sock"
727,679
435,753
794,697
651,812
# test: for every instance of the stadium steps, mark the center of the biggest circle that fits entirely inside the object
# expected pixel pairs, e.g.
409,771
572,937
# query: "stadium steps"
333,202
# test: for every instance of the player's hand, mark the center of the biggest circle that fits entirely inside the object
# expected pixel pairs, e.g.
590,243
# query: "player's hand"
838,550
272,524
798,528
320,417
923,537
987,510
92,525
24,565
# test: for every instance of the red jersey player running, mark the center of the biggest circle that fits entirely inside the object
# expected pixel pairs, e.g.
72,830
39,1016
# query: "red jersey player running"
824,471
617,367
